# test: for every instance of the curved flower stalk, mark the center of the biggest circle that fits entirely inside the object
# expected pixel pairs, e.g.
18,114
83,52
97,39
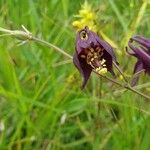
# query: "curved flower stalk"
142,52
92,53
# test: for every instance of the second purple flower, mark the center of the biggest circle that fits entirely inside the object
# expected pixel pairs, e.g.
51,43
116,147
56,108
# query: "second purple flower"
140,47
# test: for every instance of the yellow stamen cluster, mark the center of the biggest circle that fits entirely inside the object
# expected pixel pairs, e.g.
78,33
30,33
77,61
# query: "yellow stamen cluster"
102,69
87,17
93,57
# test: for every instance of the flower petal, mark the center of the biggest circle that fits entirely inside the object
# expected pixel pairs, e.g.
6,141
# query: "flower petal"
84,69
142,40
108,59
141,54
83,44
130,52
108,48
138,67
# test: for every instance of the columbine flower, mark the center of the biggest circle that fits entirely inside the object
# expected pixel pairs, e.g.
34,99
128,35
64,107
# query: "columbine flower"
86,17
142,53
92,53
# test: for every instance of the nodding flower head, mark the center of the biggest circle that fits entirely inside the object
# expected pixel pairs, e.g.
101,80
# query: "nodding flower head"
92,53
140,47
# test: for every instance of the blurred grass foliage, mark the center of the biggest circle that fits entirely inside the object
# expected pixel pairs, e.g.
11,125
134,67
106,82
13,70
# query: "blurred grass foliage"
42,106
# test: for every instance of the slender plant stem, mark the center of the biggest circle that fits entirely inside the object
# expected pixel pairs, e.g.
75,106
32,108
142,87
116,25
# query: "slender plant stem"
120,71
26,35
51,46
135,87
127,86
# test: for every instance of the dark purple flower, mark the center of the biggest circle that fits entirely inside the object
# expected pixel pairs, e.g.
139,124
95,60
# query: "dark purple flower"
92,53
140,47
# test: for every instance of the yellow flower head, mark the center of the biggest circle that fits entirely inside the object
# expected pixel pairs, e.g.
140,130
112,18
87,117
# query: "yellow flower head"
86,17
102,69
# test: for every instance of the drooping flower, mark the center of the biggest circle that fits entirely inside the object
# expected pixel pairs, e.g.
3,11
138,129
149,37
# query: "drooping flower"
140,47
92,53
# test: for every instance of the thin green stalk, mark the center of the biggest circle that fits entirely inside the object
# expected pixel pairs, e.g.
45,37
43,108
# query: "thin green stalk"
26,35
127,86
51,46
120,71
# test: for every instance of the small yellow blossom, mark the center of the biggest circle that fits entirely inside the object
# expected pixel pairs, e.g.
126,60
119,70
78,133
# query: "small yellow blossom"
102,71
76,23
86,17
121,77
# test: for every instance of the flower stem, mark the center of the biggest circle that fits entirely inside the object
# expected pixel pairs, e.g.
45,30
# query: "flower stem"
52,46
120,71
26,35
126,86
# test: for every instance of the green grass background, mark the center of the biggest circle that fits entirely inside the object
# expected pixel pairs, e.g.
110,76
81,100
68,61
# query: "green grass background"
38,90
